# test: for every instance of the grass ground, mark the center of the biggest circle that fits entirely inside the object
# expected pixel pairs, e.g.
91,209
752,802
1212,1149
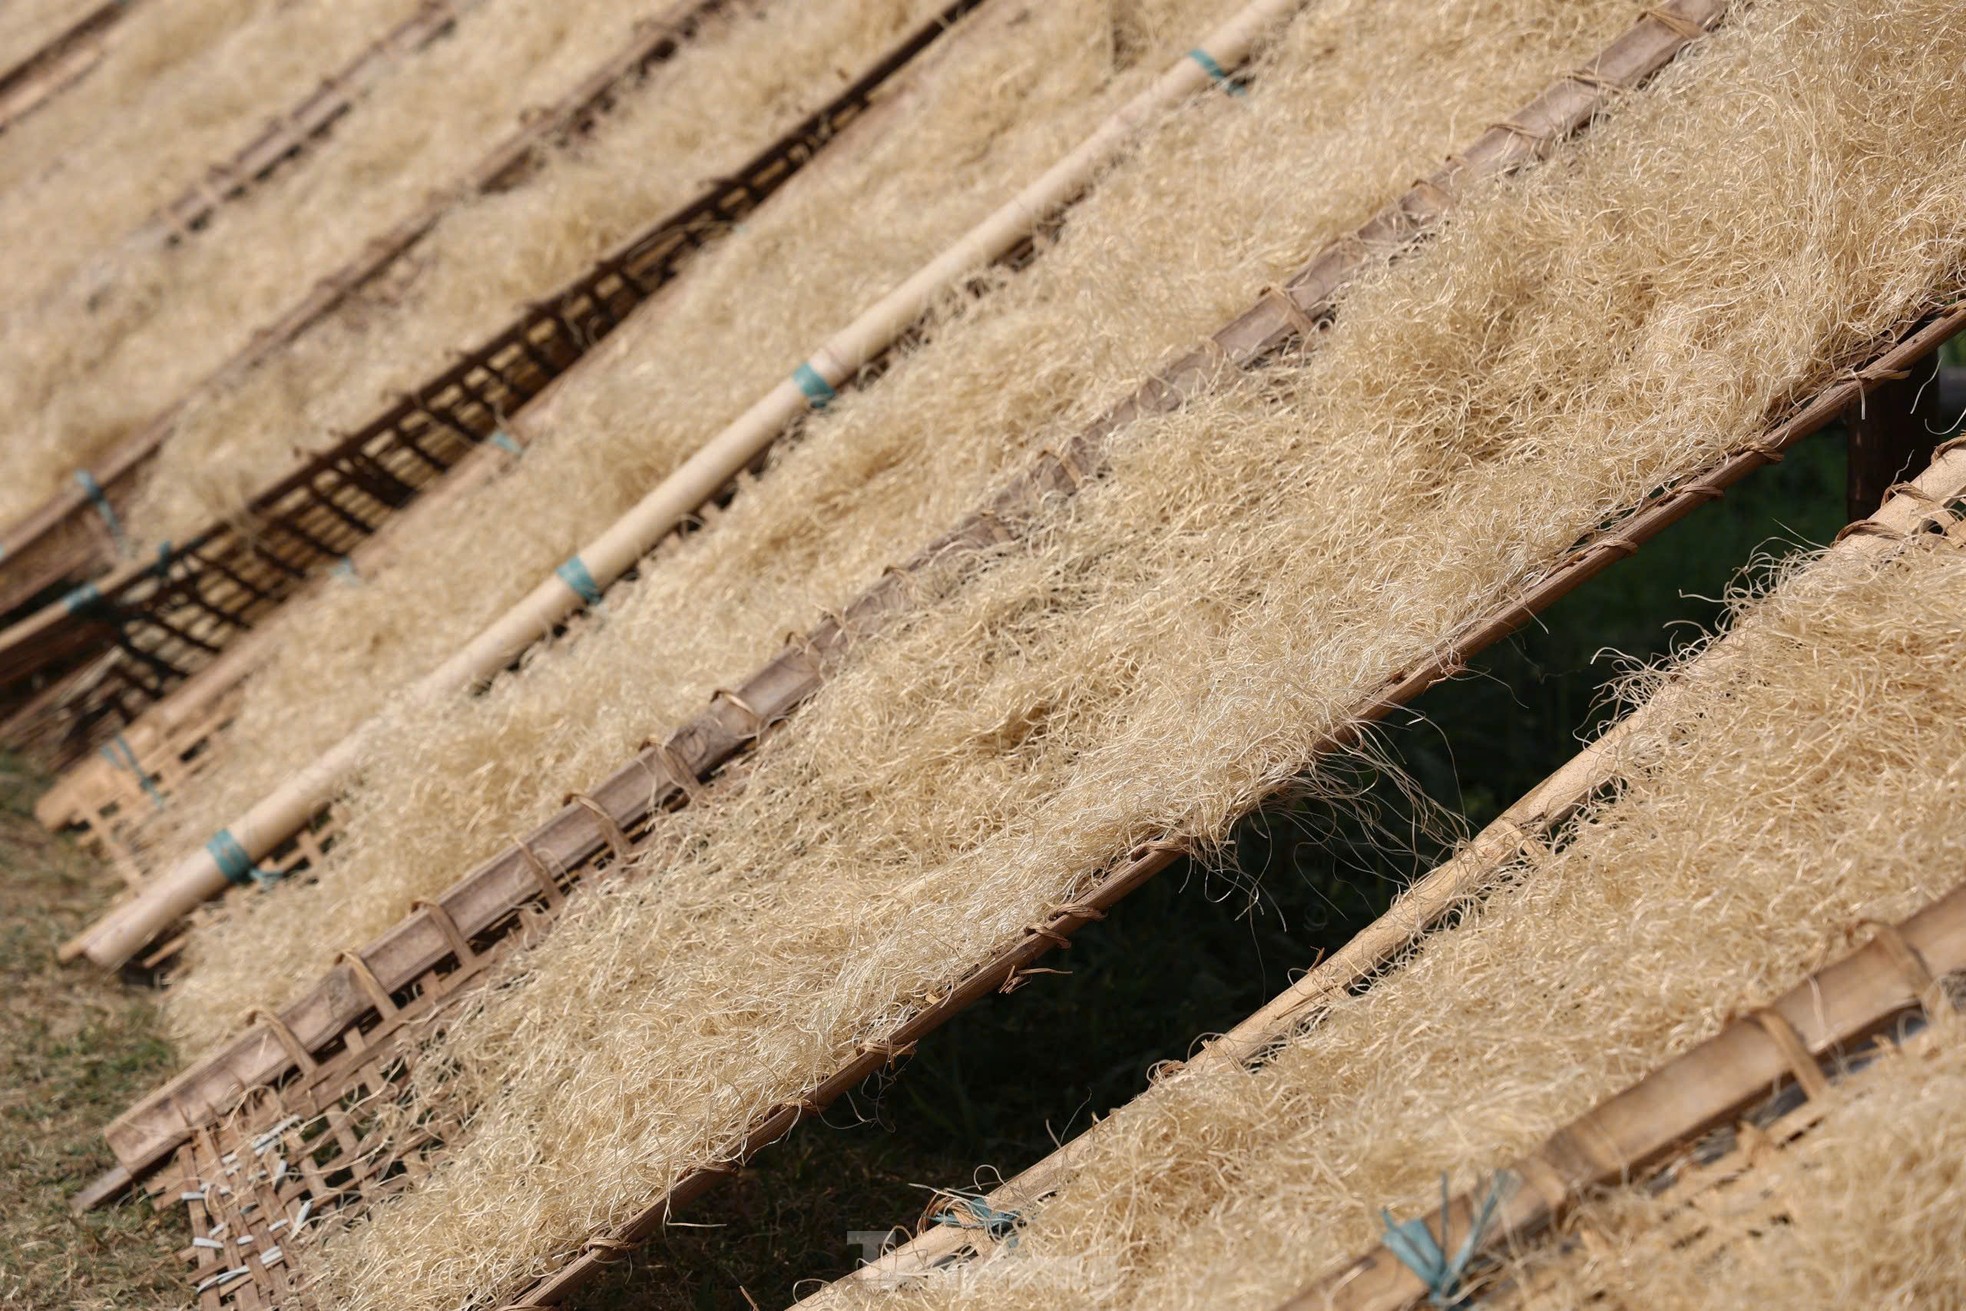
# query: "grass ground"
1189,955
75,1048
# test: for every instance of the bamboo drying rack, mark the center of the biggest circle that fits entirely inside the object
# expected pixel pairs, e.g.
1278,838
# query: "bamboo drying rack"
1503,850
351,1010
323,1111
64,541
1827,1019
169,618
495,892
60,63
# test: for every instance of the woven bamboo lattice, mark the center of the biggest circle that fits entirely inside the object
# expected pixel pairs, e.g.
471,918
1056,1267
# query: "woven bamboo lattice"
1531,825
1715,1194
59,64
295,130
67,540
1831,1020
170,618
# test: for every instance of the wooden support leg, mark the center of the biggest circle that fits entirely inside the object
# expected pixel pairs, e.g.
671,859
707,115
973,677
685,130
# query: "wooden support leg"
1892,433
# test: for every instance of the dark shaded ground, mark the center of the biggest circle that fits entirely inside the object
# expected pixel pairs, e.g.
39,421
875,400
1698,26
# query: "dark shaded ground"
1189,955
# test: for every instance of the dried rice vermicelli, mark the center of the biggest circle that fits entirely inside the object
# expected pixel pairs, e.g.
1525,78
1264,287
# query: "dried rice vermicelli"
737,86
1806,786
106,351
1170,646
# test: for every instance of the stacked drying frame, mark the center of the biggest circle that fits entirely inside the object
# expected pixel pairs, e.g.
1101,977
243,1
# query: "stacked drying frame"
345,1034
332,507
292,810
63,541
1928,512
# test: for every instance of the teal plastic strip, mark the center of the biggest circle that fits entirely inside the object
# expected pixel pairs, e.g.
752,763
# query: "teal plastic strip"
93,490
120,754
819,392
1216,73
503,440
998,1224
234,863
86,597
1413,1242
574,574
344,571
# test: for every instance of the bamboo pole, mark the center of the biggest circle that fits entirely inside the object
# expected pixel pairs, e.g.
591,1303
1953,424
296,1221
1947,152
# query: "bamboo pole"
231,852
1467,875
58,64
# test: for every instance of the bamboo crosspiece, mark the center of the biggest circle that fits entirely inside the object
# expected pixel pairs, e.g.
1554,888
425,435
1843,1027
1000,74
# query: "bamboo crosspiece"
700,478
63,541
172,616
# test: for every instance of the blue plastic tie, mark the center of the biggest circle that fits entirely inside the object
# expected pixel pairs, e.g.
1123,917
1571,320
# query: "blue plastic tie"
86,597
1216,73
344,571
1414,1244
503,440
997,1224
574,574
120,754
93,490
819,392
234,863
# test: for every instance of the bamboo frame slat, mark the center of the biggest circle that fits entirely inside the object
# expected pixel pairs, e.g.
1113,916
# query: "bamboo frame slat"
1832,1012
1530,823
1564,108
60,542
296,129
494,893
58,64
342,495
